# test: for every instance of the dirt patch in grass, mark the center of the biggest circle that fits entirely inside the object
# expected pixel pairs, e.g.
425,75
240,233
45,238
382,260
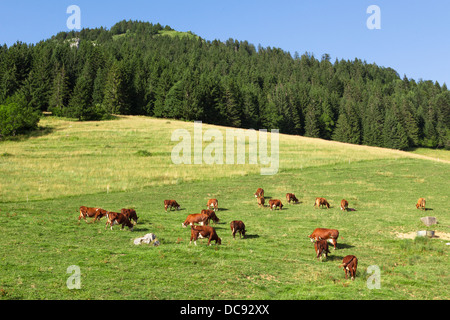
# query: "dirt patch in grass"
412,235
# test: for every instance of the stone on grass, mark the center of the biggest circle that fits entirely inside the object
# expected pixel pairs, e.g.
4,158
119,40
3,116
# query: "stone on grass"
428,221
147,239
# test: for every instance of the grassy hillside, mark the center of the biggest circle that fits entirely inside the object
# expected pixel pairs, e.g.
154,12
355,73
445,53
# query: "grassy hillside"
126,163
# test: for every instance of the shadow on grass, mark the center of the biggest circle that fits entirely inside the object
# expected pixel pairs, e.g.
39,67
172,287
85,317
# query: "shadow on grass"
344,246
39,132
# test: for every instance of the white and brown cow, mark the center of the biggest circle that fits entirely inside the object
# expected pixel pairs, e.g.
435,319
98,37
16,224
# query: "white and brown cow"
118,218
95,213
131,214
259,193
321,248
350,264
213,203
204,232
169,204
291,197
274,203
237,226
421,204
199,218
320,202
344,205
330,235
212,216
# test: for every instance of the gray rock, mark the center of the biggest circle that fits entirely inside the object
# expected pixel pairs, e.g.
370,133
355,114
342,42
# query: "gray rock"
147,239
429,221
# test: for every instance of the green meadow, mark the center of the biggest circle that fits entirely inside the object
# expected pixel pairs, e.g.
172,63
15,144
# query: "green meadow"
126,163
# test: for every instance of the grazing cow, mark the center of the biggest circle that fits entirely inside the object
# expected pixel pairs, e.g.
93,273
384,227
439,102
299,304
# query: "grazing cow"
291,197
99,214
331,235
204,232
212,215
344,205
114,218
259,193
200,218
237,226
321,248
96,213
131,214
421,204
350,263
321,202
275,203
213,203
261,201
171,204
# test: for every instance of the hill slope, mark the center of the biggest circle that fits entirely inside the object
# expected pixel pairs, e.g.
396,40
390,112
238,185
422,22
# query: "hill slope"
135,152
46,178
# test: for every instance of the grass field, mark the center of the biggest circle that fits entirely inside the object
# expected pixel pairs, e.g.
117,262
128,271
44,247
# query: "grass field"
126,162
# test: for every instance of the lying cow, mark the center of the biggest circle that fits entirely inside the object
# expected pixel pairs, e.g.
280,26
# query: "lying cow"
421,204
171,204
261,201
212,216
291,197
275,203
321,248
131,214
213,203
350,264
320,202
237,226
204,232
95,213
344,205
119,218
330,235
199,218
259,193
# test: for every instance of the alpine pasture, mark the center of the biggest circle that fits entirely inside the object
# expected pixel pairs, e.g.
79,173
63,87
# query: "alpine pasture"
126,163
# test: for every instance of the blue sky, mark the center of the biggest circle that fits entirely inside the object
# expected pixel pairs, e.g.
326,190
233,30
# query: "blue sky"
413,39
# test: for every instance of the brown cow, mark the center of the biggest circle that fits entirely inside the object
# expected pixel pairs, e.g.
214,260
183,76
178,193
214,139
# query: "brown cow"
171,204
259,193
204,232
212,215
237,226
131,214
275,203
95,213
321,248
331,235
291,197
344,205
114,218
261,201
321,202
350,264
421,204
213,203
200,218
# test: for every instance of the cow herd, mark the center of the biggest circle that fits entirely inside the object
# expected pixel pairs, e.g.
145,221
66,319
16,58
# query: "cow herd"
201,229
123,218
320,236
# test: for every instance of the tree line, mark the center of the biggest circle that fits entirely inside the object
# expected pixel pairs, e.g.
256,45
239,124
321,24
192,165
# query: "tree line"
134,69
